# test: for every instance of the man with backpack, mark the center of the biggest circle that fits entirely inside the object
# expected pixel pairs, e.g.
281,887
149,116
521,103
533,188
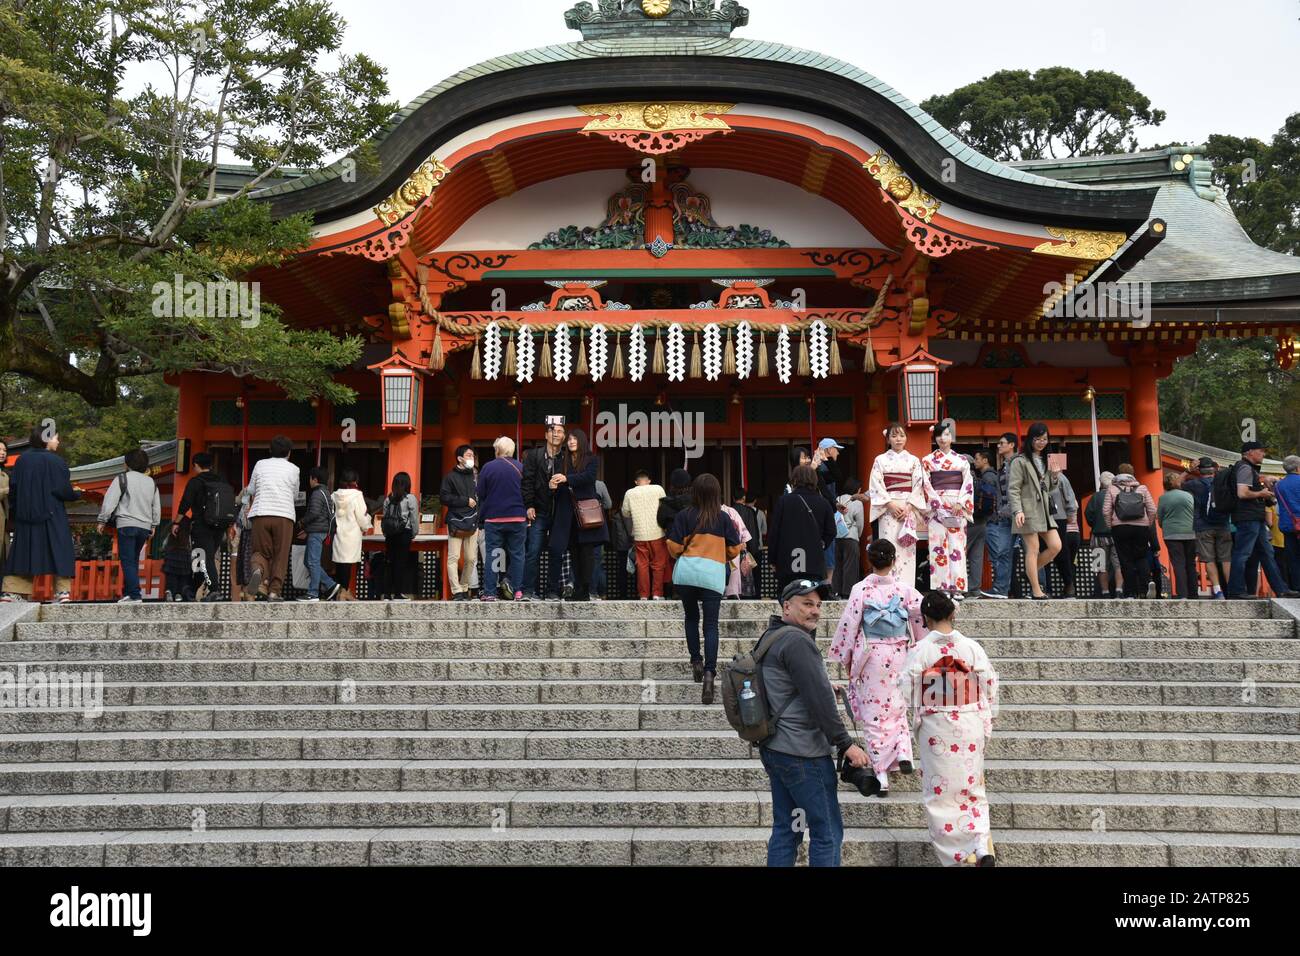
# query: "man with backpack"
798,702
1247,497
209,502
1213,536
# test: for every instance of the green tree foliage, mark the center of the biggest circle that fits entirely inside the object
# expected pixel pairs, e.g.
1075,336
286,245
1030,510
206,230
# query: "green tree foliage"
1262,181
1052,113
106,197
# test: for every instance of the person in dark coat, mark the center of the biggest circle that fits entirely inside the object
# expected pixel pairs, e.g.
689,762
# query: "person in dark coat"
579,467
802,527
678,500
40,486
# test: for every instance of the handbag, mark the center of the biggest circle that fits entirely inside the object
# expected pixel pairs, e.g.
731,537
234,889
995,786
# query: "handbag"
123,495
589,512
1295,521
463,526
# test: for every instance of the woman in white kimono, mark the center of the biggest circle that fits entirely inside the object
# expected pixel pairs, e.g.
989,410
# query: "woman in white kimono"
950,497
898,500
953,691
881,622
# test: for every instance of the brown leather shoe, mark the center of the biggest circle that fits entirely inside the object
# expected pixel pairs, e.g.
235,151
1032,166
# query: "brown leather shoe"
697,671
707,696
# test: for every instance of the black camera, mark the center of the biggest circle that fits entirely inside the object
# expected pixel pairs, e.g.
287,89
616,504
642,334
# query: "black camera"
861,778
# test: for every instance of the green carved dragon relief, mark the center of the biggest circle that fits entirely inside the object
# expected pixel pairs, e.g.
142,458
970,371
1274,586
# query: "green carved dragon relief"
693,224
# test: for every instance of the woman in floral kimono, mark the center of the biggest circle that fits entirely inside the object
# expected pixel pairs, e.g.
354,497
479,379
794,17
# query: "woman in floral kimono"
950,496
953,690
735,574
881,622
898,500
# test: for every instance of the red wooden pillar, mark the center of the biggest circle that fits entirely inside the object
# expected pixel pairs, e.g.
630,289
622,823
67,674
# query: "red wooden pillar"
1144,421
191,421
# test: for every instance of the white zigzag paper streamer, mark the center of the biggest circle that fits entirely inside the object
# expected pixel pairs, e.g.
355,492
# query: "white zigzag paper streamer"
675,354
525,355
492,352
636,354
712,352
783,355
597,353
563,353
819,349
744,350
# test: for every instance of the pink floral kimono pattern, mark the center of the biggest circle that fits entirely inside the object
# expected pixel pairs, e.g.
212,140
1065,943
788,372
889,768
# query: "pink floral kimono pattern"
953,730
898,476
734,577
878,703
950,497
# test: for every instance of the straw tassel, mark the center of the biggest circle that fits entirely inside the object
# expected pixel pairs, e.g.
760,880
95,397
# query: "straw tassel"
545,369
657,363
804,368
837,367
582,356
618,356
476,363
510,355
762,355
869,359
437,361
697,364
729,356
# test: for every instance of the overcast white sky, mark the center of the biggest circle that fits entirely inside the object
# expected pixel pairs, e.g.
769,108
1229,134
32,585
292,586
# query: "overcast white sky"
1213,66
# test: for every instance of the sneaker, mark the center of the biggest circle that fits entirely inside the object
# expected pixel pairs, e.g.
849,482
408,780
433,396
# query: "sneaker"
488,598
992,596
254,585
309,599
167,596
659,597
10,598
1290,594
460,596
334,592
63,597
530,597
568,594
519,595
1218,596
127,599
275,598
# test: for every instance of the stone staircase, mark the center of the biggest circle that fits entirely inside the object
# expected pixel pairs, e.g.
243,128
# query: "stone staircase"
1129,733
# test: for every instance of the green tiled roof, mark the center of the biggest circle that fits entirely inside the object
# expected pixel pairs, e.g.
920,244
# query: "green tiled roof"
733,47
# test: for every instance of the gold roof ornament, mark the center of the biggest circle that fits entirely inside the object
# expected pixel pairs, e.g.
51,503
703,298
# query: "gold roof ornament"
656,8
652,117
418,186
902,187
1081,243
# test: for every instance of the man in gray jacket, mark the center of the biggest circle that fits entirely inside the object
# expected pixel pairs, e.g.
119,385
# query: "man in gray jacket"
797,757
133,505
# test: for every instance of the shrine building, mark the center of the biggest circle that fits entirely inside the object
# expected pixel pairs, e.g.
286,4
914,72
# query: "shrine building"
666,217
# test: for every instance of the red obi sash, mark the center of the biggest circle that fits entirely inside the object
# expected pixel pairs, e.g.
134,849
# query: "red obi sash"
898,483
949,683
945,480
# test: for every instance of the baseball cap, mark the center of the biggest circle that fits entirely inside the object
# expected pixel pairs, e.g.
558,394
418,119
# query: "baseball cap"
1251,446
802,586
1205,466
829,443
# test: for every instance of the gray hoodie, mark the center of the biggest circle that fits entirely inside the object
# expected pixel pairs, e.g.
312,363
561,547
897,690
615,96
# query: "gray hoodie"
139,507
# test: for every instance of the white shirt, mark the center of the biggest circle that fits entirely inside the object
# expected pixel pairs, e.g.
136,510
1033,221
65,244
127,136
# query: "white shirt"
274,487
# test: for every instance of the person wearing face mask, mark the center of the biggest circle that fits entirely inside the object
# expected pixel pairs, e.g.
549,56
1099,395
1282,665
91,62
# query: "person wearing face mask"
898,500
459,494
1030,488
950,494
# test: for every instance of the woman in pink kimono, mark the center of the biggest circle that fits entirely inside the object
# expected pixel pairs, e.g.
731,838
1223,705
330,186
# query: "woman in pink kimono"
950,496
953,690
881,622
734,573
898,500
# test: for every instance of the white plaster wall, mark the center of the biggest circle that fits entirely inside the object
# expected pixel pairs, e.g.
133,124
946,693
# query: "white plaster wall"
791,213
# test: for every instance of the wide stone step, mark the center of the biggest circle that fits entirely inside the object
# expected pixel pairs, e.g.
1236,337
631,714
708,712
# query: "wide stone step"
595,745
612,846
246,649
606,717
1237,779
524,809
631,668
609,610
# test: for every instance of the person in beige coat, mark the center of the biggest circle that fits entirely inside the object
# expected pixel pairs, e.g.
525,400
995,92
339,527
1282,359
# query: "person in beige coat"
1029,489
351,524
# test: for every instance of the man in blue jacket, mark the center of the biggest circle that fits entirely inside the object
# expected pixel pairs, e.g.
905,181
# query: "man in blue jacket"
505,521
1288,511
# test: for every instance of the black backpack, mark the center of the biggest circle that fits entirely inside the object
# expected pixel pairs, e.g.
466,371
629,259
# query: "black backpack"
1223,493
219,508
392,524
1129,506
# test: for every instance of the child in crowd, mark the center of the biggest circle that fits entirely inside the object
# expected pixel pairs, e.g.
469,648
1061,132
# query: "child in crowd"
881,622
953,690
178,565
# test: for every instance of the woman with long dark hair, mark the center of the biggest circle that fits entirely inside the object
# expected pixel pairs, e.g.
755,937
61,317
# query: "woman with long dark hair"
1029,488
573,483
803,524
703,539
400,525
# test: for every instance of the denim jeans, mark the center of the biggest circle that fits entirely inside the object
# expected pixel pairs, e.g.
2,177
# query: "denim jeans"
1253,540
504,550
598,570
804,797
317,575
998,540
692,598
538,532
129,543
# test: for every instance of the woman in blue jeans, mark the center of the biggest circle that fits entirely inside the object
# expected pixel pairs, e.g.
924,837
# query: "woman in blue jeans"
702,540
